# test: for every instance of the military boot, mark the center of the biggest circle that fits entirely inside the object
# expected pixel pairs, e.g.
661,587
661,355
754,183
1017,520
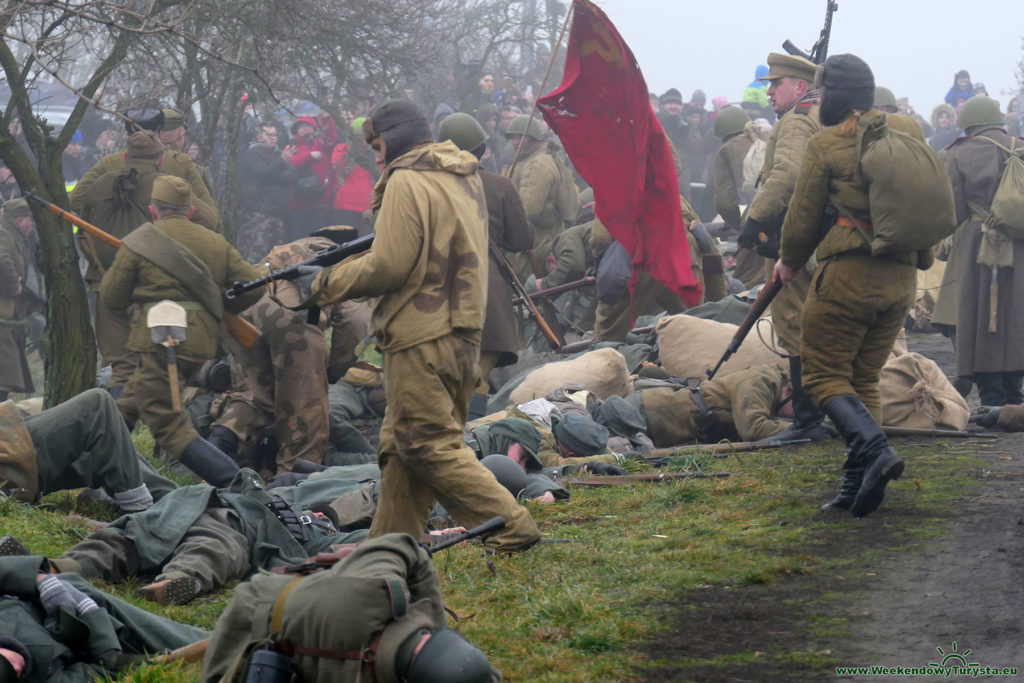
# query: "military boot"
853,472
808,421
209,462
869,449
225,440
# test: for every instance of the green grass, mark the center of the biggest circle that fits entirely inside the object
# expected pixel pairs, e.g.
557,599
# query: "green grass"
578,611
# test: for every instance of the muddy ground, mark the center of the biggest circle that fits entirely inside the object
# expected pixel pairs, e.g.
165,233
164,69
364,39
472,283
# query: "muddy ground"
895,609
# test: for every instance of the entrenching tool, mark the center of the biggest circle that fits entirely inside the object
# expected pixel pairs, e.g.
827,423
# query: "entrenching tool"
167,323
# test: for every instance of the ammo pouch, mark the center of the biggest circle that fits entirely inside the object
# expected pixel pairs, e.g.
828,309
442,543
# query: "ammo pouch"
295,524
709,428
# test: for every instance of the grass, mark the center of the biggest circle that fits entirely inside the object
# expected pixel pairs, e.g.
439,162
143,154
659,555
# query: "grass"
588,609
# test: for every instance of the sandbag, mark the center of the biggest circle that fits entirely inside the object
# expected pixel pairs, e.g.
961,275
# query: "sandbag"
909,192
603,372
689,346
917,394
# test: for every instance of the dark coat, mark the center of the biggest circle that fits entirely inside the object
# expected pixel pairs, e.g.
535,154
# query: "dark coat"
509,230
975,167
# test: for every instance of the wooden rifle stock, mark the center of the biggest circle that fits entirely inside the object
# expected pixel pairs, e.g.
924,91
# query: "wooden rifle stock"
560,289
241,329
768,293
188,654
510,277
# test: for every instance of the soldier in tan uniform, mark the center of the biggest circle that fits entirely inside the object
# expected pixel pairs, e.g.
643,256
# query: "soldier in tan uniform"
795,100
428,265
16,225
118,202
173,258
546,188
282,380
175,162
737,133
857,302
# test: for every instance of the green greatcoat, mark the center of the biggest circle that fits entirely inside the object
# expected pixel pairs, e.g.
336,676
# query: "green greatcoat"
116,628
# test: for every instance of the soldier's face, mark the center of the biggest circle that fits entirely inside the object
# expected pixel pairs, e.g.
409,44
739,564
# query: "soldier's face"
24,223
380,150
783,92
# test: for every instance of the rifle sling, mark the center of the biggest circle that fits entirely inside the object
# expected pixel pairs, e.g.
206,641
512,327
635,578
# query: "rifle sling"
166,253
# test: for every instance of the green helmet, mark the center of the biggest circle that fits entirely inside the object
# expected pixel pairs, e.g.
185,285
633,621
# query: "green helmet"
462,129
526,125
730,120
507,471
979,111
884,98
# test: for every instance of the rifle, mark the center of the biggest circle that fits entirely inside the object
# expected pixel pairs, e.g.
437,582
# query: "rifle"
556,340
721,450
241,329
560,289
951,433
819,51
764,298
193,652
322,259
487,527
626,479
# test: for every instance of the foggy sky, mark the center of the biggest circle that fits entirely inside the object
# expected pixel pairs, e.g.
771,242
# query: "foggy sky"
914,48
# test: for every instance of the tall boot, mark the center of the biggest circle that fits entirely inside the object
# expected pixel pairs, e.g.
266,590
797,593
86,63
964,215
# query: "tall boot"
853,473
808,422
209,462
225,440
1012,388
990,388
869,449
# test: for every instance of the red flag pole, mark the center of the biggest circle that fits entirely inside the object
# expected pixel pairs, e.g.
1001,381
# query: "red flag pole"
544,83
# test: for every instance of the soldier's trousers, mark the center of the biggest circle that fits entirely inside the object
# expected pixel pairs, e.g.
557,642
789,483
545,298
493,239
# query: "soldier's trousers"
855,308
786,306
147,397
613,321
281,381
112,329
422,455
212,550
84,442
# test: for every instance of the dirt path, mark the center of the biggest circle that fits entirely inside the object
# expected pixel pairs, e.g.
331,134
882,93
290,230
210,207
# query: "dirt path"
896,610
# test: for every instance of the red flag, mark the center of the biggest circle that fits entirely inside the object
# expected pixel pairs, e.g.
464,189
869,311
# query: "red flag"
603,117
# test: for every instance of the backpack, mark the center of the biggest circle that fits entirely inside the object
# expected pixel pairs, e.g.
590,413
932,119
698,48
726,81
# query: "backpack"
1007,213
909,192
752,163
614,270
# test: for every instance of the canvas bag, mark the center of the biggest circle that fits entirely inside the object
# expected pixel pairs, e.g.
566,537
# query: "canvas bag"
909,192
752,163
917,394
1007,214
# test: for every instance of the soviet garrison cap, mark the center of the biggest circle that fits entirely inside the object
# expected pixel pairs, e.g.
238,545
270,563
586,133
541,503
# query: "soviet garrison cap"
172,190
780,64
144,144
173,119
16,208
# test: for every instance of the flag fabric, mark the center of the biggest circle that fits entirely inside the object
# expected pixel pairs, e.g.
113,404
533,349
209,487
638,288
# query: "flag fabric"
603,117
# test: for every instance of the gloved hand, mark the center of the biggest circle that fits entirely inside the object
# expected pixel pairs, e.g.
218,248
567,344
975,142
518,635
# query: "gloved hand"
751,237
304,281
55,593
748,233
603,469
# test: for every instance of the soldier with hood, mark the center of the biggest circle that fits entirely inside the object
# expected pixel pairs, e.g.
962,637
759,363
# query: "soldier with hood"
857,302
428,265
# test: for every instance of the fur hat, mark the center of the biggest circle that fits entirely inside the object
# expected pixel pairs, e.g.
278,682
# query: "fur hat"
401,123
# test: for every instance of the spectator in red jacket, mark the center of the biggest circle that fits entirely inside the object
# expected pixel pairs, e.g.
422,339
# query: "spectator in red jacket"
309,154
353,189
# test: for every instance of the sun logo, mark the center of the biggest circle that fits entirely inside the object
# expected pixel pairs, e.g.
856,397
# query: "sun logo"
954,658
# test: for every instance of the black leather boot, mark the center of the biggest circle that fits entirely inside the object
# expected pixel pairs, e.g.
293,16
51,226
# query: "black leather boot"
225,440
853,472
209,462
869,449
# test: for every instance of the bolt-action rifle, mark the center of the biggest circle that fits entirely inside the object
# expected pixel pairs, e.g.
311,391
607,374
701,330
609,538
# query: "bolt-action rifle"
764,298
819,51
241,329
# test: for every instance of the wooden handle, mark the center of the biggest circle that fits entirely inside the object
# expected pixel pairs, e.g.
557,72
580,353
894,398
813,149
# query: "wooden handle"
188,654
993,307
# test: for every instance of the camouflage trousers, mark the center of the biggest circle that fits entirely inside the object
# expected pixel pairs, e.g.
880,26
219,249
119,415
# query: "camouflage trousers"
855,309
281,381
258,233
423,457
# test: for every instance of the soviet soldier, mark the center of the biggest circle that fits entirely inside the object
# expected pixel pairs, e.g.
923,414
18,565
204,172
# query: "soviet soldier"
737,133
858,302
173,136
282,380
178,260
993,359
427,264
16,225
573,259
118,202
790,88
546,187
175,163
509,229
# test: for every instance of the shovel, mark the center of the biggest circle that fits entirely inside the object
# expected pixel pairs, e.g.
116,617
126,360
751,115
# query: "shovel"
167,322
